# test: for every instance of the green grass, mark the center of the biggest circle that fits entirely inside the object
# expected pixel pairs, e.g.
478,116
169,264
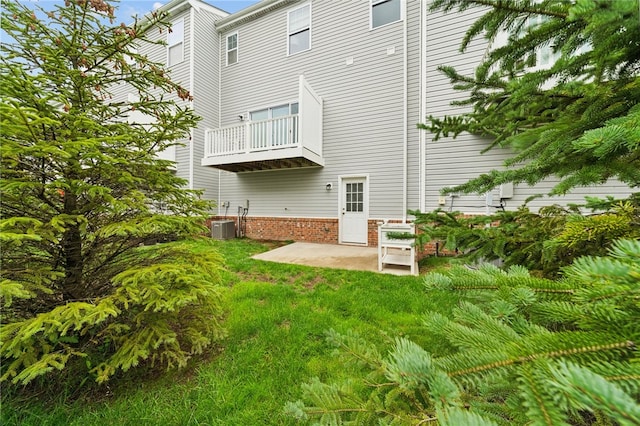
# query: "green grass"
277,317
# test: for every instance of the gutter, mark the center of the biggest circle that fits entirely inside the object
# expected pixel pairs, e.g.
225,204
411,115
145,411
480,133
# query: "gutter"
252,12
220,112
176,6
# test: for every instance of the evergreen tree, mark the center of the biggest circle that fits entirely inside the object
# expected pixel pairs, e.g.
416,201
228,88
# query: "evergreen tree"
580,118
522,350
84,194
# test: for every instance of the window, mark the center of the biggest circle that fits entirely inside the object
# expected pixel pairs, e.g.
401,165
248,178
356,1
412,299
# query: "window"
355,197
299,29
384,12
545,56
175,43
232,48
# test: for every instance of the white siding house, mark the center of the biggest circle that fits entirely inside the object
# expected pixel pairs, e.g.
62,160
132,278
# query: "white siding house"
191,44
310,109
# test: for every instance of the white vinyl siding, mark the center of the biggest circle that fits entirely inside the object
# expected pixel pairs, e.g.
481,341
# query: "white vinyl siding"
362,124
299,29
385,12
175,43
451,162
232,48
207,60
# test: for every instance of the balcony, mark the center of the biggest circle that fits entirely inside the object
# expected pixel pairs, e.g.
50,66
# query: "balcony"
285,142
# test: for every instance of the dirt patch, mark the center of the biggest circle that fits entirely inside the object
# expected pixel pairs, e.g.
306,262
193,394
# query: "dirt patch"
286,325
274,244
311,284
256,277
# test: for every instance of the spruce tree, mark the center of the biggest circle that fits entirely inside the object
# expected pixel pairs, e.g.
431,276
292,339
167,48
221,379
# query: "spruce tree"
521,350
580,118
84,194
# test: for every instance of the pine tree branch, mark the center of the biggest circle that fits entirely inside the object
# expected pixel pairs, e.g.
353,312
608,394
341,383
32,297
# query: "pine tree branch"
553,354
510,6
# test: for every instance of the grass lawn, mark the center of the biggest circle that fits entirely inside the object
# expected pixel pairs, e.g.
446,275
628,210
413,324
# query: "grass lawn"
277,317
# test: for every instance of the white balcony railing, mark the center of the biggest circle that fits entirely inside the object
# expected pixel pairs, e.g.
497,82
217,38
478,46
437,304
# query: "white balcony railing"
289,141
252,136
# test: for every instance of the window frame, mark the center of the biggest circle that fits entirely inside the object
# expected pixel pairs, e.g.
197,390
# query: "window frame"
172,43
227,50
289,33
374,3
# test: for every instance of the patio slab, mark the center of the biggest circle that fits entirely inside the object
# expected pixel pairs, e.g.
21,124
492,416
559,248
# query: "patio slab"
331,256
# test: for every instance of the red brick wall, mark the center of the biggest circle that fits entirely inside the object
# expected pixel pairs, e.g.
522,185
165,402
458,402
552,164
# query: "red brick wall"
290,228
306,229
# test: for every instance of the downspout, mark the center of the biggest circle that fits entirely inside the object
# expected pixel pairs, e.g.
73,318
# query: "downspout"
422,137
220,193
219,68
405,118
192,90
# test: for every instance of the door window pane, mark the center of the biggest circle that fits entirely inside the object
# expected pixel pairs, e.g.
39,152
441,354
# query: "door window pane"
280,111
354,197
261,114
279,128
274,126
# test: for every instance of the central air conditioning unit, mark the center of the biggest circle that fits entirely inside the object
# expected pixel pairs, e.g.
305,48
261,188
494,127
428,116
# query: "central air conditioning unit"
223,229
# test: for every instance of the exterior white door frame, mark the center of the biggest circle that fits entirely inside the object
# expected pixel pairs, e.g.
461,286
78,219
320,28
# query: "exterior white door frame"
353,220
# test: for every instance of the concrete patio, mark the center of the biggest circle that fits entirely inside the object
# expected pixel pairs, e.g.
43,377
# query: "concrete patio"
331,256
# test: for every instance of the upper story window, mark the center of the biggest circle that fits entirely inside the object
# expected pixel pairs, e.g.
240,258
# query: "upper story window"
175,43
232,48
299,29
384,12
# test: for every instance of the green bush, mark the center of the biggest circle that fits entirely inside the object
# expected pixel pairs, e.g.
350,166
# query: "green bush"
543,242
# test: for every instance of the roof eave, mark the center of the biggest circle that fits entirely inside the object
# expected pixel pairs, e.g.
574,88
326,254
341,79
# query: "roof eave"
250,13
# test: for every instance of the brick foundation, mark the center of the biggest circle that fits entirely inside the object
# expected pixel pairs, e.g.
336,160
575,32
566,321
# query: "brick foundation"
311,230
290,229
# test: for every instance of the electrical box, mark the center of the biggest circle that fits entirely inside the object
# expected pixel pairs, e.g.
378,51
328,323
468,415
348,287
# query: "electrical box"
223,229
506,190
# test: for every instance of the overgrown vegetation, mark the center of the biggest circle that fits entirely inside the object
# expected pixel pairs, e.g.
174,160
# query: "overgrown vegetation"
523,350
83,192
543,242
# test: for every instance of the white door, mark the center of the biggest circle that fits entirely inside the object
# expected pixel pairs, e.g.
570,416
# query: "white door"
353,210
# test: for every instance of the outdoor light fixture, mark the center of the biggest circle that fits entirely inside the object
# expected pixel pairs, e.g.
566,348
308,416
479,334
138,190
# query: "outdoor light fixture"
329,186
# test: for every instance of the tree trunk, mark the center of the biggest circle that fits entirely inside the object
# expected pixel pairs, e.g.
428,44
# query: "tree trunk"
72,249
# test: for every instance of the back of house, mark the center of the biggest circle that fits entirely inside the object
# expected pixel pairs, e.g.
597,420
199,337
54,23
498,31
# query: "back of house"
309,114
